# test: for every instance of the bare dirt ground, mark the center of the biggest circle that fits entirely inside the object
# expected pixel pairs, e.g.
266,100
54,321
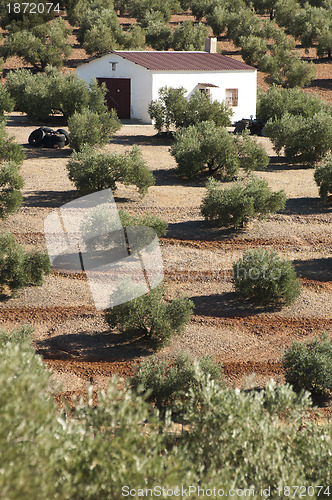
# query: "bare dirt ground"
72,335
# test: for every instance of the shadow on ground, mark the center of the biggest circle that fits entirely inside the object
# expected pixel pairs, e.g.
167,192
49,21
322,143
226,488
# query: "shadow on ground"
48,153
87,346
226,305
49,199
199,230
314,269
305,206
143,140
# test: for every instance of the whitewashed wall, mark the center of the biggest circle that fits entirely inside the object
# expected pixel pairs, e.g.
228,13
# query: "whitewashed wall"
145,84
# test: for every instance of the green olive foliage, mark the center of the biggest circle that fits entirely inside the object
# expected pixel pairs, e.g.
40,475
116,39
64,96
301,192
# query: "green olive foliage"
173,110
323,177
44,94
205,147
308,366
43,45
91,170
251,154
18,267
122,441
275,102
10,185
150,316
305,140
265,278
90,128
234,206
167,384
6,101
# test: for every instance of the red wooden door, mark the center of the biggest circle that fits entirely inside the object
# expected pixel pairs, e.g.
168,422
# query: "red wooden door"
118,95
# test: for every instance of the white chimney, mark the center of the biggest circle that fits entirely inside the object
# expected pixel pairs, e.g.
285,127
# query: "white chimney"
211,45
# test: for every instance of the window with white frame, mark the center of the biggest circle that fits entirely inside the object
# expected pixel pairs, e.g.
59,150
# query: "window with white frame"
232,97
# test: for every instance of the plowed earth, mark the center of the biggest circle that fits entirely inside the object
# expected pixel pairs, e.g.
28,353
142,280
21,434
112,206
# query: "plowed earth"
72,335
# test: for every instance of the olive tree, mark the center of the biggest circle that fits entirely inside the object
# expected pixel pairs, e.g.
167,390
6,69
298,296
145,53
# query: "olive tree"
234,206
265,278
323,177
173,110
305,140
205,147
43,94
45,44
91,170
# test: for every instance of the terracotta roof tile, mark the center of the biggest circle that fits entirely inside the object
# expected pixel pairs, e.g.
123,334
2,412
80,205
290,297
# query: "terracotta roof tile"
183,61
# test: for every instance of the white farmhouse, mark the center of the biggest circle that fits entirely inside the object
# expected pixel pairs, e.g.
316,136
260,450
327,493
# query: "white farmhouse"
133,79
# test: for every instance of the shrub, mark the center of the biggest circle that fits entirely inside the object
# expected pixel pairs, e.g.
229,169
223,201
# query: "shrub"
157,32
19,268
150,315
323,177
308,365
94,129
100,31
167,383
234,206
10,151
91,170
252,155
10,185
51,92
205,147
44,44
305,140
188,36
6,101
263,277
172,109
148,220
275,102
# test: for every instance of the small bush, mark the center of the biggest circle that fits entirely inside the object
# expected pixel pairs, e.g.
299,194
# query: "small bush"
275,102
167,383
91,170
252,155
309,366
19,268
323,178
10,185
205,147
305,140
151,315
94,129
173,109
6,102
10,151
234,206
158,225
44,94
263,277
21,335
